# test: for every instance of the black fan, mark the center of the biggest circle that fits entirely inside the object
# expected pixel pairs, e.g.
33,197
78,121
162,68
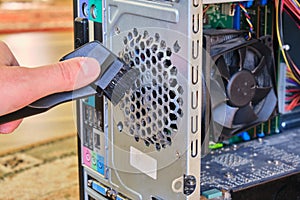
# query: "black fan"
242,84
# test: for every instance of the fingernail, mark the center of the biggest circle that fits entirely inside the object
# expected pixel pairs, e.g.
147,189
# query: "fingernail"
4,129
8,127
90,68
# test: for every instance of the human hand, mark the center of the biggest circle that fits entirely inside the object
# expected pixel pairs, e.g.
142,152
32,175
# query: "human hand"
21,86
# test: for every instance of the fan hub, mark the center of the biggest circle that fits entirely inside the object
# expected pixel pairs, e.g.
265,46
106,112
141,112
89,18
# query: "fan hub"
241,88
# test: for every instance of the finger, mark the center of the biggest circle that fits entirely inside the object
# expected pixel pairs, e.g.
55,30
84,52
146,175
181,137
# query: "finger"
21,86
6,56
9,127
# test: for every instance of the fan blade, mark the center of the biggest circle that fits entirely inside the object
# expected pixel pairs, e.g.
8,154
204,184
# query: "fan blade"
260,66
244,115
242,54
222,67
260,94
217,93
269,105
224,114
229,45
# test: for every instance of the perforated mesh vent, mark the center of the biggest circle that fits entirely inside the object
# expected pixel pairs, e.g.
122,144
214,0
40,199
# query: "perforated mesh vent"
153,108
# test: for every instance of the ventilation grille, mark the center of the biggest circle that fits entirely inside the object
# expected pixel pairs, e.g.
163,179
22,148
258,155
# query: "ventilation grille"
153,108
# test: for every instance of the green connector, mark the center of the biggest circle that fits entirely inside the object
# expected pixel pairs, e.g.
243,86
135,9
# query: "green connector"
213,193
267,127
95,13
277,122
235,139
216,146
90,101
94,161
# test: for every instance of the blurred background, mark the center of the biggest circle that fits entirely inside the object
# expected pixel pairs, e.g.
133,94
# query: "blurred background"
38,32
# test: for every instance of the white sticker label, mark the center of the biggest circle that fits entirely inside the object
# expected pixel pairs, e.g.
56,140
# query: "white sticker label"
143,162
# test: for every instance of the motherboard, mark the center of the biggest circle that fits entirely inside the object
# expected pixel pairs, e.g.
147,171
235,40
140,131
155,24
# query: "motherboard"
237,167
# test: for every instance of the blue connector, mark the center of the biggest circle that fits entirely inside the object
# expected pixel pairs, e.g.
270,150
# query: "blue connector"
263,2
237,18
245,136
248,4
100,165
261,135
99,188
120,198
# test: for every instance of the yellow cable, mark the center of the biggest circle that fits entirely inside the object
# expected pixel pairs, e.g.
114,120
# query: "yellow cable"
280,42
298,4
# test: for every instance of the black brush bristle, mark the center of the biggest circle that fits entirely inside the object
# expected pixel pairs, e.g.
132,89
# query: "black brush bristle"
116,81
116,77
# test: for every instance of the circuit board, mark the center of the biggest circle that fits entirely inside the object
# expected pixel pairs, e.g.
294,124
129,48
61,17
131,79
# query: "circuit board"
251,163
218,16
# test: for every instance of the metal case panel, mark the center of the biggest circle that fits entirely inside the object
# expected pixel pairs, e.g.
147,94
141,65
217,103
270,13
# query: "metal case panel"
154,134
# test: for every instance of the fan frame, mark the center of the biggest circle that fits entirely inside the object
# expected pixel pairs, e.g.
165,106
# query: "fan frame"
215,47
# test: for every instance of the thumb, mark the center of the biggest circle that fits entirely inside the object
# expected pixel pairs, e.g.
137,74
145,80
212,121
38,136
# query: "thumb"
68,75
22,86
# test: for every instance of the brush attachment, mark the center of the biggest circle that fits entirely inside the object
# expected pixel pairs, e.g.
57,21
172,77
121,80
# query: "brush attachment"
116,77
115,80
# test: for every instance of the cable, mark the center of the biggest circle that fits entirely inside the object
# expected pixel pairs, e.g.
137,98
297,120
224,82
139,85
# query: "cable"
248,19
206,9
296,3
291,7
293,69
293,74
